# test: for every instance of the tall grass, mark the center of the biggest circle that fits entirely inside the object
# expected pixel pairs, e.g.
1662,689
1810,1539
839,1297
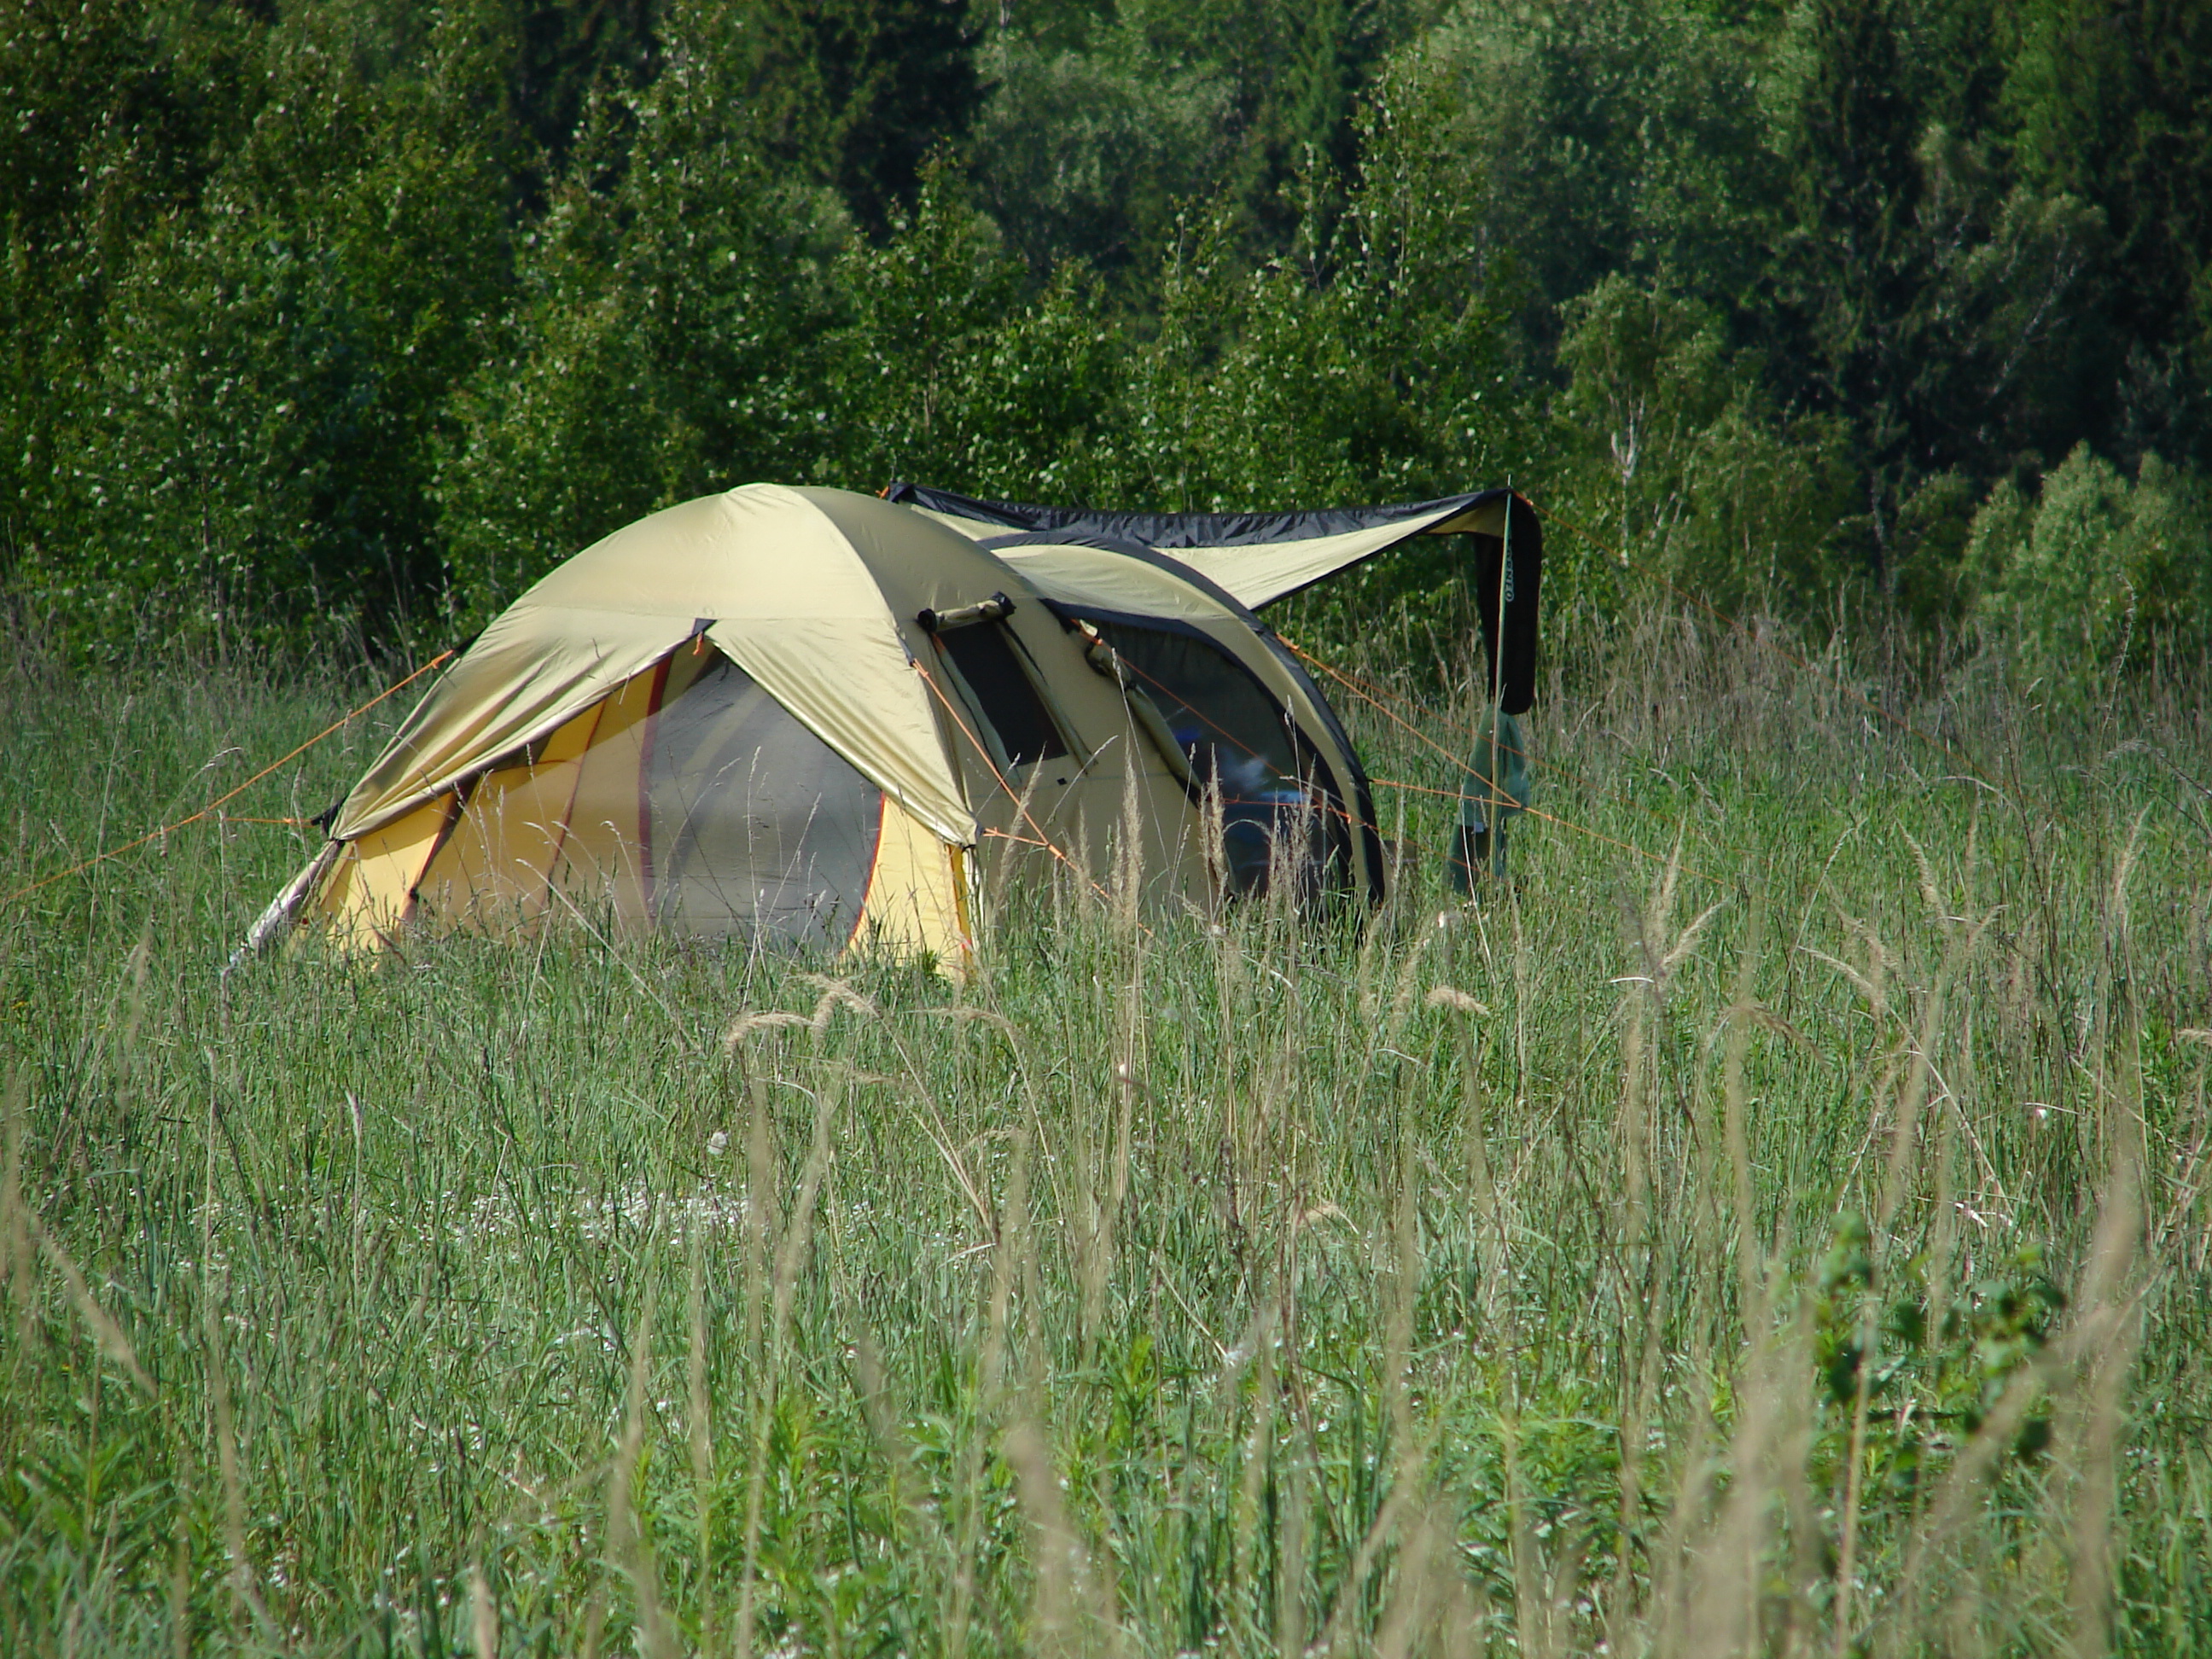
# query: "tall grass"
1775,1223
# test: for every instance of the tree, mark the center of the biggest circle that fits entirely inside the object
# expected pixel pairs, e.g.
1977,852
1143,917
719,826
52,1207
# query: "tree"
254,436
117,113
665,335
1917,293
855,94
2111,100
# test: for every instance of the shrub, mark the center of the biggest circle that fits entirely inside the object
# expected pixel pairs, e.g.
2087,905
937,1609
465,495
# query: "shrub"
2095,570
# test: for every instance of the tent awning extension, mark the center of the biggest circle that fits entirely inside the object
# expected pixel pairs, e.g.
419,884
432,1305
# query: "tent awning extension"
1259,557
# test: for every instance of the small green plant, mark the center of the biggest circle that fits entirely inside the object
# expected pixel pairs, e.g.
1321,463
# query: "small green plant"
1926,1376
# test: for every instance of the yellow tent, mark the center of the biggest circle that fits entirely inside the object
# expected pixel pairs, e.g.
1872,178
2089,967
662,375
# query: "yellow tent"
812,718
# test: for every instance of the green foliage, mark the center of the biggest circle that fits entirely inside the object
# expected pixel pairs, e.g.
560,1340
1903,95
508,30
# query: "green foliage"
1005,396
255,432
2108,98
1910,1372
116,114
852,93
664,338
1087,154
1101,129
1919,298
1699,478
353,318
1620,136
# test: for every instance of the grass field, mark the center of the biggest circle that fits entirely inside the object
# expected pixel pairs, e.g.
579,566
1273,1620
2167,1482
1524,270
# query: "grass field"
1778,1225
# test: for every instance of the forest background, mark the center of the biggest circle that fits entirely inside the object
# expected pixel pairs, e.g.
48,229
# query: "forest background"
347,319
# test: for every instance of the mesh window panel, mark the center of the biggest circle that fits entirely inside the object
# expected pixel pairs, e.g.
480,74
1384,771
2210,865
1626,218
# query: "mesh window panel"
1225,722
1236,734
985,658
755,826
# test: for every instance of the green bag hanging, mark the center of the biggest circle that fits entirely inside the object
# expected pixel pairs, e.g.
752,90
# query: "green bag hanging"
1493,789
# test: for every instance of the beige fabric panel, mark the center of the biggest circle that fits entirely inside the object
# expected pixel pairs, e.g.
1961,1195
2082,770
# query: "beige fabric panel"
1267,570
369,893
1074,822
794,602
973,529
917,894
1068,820
796,605
1112,581
531,670
1081,576
862,697
914,562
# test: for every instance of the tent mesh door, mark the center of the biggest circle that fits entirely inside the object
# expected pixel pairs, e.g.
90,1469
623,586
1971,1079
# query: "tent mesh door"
754,826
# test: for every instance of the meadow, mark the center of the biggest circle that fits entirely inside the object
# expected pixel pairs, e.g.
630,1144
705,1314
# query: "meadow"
1774,1222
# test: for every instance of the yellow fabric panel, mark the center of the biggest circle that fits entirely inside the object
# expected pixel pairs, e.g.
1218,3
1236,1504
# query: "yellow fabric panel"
284,913
963,891
494,870
370,891
917,894
600,867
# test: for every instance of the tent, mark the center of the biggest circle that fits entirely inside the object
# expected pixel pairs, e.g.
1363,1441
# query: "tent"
808,718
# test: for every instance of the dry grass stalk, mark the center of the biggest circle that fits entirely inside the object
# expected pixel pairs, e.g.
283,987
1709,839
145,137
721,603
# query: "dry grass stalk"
241,1576
698,1419
1070,1614
2105,1356
17,1262
107,1336
630,1544
1542,1587
1718,1606
1015,1251
1291,1498
483,1615
1409,1465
